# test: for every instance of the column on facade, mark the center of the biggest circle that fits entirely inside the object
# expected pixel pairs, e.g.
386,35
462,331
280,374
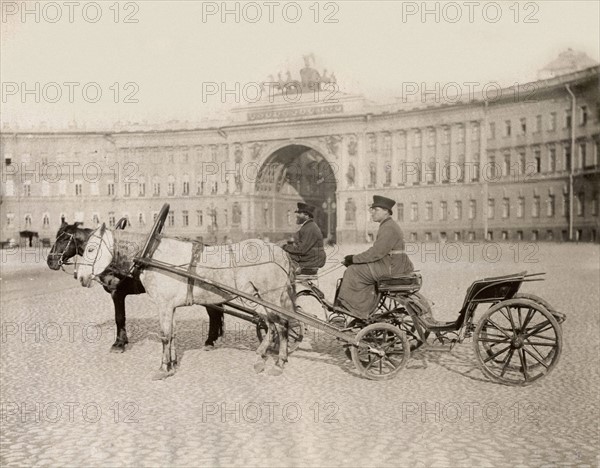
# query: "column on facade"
468,153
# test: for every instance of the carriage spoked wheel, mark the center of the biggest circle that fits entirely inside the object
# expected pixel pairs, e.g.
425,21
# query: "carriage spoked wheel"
387,353
159,223
295,335
517,342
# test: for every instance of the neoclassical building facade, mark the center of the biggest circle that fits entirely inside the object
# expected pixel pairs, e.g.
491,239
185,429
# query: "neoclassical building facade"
521,163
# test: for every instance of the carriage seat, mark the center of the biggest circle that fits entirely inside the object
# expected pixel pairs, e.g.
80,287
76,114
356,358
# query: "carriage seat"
308,271
406,284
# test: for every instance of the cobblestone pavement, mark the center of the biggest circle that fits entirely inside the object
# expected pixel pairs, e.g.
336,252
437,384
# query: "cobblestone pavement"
67,401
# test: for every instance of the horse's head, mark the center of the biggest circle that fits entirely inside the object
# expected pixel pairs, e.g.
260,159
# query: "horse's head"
97,255
69,242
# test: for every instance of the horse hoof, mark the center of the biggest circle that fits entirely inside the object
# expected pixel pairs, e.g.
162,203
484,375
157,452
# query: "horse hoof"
259,367
162,375
117,348
275,370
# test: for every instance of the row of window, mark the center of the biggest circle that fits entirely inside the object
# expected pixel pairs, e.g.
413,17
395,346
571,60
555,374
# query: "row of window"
445,131
522,129
518,235
444,212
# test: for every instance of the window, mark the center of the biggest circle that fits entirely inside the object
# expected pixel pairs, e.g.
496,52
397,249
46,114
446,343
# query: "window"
461,133
446,135
550,206
141,220
538,123
185,218
549,235
186,184
142,187
552,122
491,165
372,175
427,237
472,209
46,220
506,208
400,214
387,145
519,235
431,136
199,187
535,208
568,118
567,157
443,211
520,207
461,168
372,139
523,126
171,218
95,220
579,202
595,204
199,218
491,208
27,189
583,115
552,159
414,211
522,161
10,219
506,167
507,128
582,154
458,209
111,219
492,134
534,235
27,220
78,188
388,174
111,189
155,186
417,138
428,211
127,189
537,156
475,173
170,186
504,235
475,132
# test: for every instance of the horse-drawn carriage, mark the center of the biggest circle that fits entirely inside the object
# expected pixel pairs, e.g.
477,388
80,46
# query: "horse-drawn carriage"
517,341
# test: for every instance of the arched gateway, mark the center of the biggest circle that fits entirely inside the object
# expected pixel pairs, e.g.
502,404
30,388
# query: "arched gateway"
291,174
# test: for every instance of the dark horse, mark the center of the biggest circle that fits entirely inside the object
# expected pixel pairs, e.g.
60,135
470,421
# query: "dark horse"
71,240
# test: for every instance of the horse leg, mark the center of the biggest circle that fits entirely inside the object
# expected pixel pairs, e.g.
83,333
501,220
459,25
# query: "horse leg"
215,326
282,330
259,364
282,325
118,297
166,369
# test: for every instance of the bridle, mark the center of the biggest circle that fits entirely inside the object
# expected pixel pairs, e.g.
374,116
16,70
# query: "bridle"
62,262
102,241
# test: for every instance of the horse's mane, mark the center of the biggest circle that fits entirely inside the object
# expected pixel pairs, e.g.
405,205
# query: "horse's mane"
127,246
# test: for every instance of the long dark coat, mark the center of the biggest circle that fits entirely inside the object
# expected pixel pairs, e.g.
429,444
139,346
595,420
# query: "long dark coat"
307,249
385,259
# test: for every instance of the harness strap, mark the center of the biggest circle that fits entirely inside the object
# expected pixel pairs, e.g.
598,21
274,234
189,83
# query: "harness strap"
197,248
396,252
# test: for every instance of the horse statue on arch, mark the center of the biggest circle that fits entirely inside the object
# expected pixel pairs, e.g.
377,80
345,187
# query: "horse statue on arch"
70,241
253,266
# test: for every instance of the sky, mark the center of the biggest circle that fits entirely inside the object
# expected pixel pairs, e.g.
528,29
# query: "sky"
161,55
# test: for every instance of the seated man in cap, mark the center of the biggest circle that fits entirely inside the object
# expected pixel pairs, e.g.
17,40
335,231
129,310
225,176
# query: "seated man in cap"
385,259
307,247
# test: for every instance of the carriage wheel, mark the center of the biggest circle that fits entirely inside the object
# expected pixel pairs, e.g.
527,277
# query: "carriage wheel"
295,335
386,355
517,342
159,223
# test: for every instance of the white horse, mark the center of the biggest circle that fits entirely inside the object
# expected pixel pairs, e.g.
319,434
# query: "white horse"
252,266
